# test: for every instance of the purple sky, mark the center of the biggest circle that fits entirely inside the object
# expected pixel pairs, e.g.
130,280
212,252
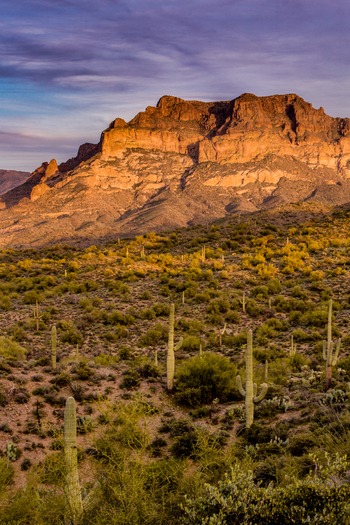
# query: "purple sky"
69,67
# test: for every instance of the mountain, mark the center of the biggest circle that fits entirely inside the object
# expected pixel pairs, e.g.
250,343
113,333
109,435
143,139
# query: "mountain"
180,163
9,179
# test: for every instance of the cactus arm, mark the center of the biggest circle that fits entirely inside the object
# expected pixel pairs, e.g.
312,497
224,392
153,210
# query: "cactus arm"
240,386
72,487
336,354
329,324
266,371
179,344
263,391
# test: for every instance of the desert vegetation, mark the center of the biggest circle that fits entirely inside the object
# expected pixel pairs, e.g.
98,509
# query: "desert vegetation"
190,377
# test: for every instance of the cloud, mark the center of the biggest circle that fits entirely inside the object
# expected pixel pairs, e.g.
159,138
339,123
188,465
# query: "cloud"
68,68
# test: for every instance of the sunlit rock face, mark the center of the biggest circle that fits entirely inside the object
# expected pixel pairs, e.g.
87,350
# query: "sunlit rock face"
184,162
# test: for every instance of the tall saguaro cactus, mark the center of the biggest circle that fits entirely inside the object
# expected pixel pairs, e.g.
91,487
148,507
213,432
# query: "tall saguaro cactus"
330,355
171,349
250,391
54,347
72,487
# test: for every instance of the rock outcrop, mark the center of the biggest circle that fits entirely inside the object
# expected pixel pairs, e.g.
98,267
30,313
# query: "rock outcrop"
183,162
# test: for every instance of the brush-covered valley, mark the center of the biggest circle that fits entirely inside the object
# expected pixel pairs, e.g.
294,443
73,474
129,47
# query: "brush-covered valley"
145,338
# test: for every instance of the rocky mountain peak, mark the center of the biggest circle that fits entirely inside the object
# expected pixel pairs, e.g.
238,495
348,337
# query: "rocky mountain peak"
182,162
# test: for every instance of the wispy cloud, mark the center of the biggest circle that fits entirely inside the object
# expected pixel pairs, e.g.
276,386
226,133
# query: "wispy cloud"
70,67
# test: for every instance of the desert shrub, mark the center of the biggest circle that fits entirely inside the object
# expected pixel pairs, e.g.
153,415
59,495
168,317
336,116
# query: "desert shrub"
274,286
344,364
10,350
237,499
4,398
32,297
131,379
82,371
191,343
106,360
184,445
156,446
260,292
192,326
316,317
161,309
6,473
5,302
297,362
147,313
118,318
21,396
301,443
154,336
147,369
218,306
202,379
70,333
253,308
257,433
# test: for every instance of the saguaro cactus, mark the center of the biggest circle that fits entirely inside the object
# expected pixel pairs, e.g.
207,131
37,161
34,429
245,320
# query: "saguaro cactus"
72,487
171,349
53,347
221,334
329,355
244,303
37,316
293,347
250,391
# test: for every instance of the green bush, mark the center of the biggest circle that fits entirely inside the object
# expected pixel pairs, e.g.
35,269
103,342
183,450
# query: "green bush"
6,473
191,343
70,333
154,336
238,499
202,379
10,350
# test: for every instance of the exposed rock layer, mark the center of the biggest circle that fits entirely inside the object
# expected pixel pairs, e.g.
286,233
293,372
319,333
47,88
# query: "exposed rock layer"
184,162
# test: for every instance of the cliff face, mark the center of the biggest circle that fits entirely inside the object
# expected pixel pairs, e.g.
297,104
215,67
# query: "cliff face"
183,162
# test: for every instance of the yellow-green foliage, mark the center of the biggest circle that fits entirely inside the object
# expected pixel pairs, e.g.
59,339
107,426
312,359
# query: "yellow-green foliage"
10,350
237,499
202,379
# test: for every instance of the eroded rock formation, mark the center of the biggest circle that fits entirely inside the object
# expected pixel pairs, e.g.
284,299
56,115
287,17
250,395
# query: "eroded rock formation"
183,162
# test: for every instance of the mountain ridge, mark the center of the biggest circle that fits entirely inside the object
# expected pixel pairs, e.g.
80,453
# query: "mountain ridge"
184,162
10,179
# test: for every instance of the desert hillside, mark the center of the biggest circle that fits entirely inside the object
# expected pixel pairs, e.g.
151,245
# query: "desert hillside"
262,298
